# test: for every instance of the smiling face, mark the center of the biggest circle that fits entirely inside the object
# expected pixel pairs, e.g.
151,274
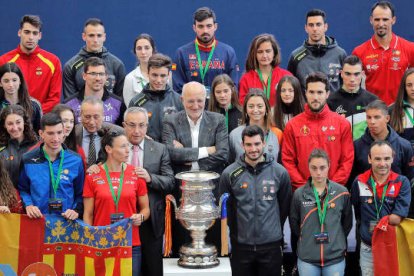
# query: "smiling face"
194,99
205,30
380,158
68,121
158,78
256,110
14,125
119,151
143,50
52,136
29,37
10,82
253,147
95,78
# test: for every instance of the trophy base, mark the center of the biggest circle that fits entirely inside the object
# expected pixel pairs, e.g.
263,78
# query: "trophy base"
191,257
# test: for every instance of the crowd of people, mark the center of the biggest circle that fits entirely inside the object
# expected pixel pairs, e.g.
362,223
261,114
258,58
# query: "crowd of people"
330,136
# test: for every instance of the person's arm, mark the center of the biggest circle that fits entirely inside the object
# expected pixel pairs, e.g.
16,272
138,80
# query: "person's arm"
78,182
179,74
88,203
294,215
69,81
402,202
128,90
232,68
284,196
355,199
347,155
407,162
346,219
290,157
243,88
55,89
163,181
120,77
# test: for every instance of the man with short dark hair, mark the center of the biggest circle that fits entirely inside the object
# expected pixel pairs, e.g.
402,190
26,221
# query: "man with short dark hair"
319,52
378,129
95,77
351,99
203,59
258,205
94,36
51,176
157,97
41,69
385,56
376,193
317,127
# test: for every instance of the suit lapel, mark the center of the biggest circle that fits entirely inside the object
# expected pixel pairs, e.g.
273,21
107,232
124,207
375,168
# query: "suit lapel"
148,149
184,130
205,130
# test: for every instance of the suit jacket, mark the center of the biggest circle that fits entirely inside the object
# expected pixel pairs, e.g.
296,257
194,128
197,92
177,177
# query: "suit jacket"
157,163
213,132
79,136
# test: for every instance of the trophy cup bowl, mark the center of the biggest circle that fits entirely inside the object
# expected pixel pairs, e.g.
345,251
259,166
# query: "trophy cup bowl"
197,213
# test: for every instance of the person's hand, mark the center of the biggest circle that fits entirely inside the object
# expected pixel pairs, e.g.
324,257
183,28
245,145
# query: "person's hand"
394,219
211,150
93,169
70,214
4,210
177,144
143,173
137,219
33,212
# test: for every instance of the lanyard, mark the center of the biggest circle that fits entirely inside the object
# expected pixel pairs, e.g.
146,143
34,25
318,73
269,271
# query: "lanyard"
227,115
203,71
374,190
55,181
321,213
409,116
116,198
266,88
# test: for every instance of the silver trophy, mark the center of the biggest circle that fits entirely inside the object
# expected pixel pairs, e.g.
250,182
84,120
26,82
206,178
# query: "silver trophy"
197,213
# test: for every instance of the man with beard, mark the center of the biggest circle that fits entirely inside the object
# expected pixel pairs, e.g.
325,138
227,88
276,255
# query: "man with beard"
385,56
259,200
203,59
317,127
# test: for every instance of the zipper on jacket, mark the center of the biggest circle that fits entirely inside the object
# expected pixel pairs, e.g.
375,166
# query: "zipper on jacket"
255,208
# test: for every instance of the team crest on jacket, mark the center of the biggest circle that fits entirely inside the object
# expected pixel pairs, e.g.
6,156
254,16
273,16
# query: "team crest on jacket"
305,130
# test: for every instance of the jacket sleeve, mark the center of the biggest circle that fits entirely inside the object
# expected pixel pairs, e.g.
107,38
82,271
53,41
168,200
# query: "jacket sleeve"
69,81
224,183
294,215
120,77
220,157
284,197
407,166
24,186
292,65
78,189
121,114
128,90
347,155
163,181
402,202
346,219
355,199
233,68
179,74
243,89
55,89
289,158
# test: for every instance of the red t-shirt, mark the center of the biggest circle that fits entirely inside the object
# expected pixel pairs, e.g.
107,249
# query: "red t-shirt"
251,79
96,186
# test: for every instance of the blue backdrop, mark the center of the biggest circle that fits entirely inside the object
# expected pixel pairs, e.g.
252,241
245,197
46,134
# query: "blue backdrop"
170,23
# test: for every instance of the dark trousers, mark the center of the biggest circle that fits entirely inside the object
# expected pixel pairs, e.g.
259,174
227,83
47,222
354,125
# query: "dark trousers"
151,248
136,260
262,260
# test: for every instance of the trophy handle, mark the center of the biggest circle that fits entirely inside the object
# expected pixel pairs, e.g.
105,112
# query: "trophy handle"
222,203
172,200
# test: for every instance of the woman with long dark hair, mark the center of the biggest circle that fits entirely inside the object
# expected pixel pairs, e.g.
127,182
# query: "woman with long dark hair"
262,68
115,192
402,111
289,102
9,200
224,100
13,90
135,81
16,138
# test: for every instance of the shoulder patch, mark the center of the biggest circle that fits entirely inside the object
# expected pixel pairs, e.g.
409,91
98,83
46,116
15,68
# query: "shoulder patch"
299,56
141,101
2,148
234,175
78,64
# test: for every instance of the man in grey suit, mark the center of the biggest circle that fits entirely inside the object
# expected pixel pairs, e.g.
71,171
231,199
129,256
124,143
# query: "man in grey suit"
92,114
196,140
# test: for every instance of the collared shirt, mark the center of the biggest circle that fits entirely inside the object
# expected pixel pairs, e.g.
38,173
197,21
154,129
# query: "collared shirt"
140,153
195,131
85,142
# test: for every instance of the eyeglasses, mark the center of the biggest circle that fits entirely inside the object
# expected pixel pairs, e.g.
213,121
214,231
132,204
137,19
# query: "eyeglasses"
134,126
95,74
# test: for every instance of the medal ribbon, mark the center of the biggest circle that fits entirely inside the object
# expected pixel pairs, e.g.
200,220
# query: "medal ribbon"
55,181
203,71
227,115
116,198
321,213
374,190
266,88
409,115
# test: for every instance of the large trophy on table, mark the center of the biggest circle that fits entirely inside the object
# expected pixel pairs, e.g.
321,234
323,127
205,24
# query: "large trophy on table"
197,213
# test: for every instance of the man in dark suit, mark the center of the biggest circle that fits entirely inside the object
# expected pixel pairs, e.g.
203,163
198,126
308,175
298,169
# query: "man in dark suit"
92,114
153,165
196,140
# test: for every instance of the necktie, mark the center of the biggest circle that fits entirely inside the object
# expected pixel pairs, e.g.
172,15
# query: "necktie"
92,150
135,156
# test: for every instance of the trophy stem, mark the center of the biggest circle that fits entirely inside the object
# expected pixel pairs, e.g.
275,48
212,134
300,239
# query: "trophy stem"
198,238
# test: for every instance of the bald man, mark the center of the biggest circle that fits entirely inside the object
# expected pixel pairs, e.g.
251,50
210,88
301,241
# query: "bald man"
196,140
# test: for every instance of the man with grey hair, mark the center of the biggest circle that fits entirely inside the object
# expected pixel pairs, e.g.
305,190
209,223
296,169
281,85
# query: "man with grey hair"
196,140
92,114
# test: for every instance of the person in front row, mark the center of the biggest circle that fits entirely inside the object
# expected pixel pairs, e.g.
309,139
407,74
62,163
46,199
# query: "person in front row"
51,176
115,192
322,232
